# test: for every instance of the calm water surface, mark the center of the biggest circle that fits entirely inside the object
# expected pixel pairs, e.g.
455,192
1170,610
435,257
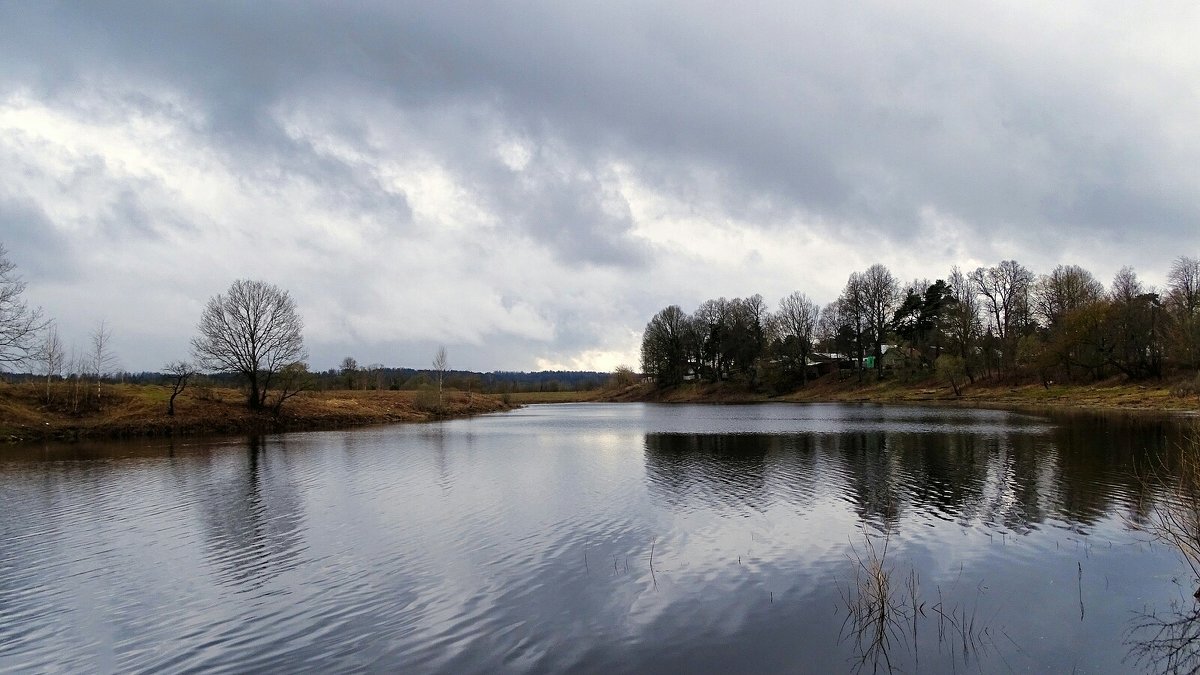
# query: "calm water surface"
523,542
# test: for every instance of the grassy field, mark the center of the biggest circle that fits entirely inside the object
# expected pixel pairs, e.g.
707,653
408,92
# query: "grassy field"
141,410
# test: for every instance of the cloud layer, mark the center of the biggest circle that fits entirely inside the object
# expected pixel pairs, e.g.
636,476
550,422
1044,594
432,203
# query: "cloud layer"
528,183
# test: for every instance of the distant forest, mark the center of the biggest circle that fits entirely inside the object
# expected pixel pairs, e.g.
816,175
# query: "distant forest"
375,377
995,322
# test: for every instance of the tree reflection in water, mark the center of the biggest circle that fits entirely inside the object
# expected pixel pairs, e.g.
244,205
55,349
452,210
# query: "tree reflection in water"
253,518
1012,478
718,470
1169,642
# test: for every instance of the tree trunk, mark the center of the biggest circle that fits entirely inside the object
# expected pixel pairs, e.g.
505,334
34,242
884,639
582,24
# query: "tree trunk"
255,400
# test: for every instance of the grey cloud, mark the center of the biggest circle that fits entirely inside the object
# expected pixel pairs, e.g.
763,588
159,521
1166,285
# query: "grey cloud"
856,118
572,212
34,244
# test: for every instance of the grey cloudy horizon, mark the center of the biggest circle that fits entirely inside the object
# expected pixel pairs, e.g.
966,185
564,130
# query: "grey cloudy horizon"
528,183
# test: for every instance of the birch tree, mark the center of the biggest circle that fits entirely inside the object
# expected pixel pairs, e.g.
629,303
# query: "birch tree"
101,359
440,363
52,354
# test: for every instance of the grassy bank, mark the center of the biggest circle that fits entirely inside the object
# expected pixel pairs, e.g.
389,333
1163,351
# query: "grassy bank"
1166,395
528,397
141,410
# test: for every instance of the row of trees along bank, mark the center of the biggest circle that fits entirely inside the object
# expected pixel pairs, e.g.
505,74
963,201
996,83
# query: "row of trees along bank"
999,321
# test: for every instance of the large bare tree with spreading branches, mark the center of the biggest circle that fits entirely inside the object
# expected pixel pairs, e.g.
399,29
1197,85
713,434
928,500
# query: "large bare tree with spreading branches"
881,293
253,330
797,318
20,324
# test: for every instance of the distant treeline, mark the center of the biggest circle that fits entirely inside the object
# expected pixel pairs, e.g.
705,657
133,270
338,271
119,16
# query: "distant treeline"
248,337
999,321
352,376
373,377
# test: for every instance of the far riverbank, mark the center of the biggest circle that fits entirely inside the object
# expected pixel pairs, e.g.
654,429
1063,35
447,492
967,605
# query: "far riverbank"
1175,396
140,410
130,410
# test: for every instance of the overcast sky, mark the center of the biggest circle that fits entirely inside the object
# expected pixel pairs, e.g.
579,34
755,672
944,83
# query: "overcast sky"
528,183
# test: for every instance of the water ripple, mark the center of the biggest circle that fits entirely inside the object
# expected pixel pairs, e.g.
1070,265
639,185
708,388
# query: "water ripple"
575,538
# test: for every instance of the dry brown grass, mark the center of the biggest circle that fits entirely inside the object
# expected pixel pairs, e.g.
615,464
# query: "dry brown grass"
140,410
1161,395
884,618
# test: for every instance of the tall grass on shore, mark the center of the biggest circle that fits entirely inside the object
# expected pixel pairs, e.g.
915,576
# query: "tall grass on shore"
884,615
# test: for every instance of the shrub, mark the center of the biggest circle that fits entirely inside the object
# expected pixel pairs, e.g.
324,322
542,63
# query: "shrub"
1187,388
427,400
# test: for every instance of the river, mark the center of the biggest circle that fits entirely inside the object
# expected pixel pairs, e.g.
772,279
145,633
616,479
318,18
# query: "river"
602,538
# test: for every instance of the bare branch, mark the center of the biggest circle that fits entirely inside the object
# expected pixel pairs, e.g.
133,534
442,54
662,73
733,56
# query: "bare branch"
253,330
19,324
178,373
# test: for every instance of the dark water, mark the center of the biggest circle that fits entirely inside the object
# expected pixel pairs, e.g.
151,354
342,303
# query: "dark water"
523,542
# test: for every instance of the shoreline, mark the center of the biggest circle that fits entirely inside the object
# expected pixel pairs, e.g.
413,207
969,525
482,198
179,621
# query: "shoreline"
1167,396
139,411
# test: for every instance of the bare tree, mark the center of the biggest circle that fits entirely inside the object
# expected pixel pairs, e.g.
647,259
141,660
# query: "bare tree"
440,364
1183,280
178,373
797,319
293,379
622,377
76,368
1133,325
1183,304
101,359
253,330
52,354
349,369
374,373
1006,289
19,324
829,326
854,309
1064,290
664,347
962,325
882,295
